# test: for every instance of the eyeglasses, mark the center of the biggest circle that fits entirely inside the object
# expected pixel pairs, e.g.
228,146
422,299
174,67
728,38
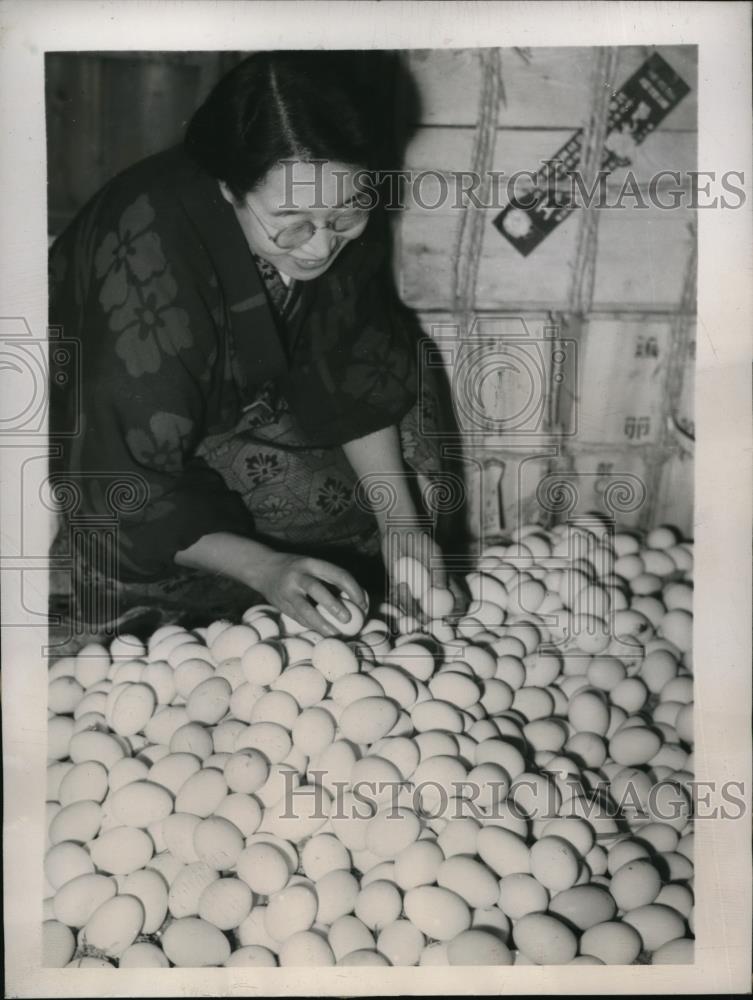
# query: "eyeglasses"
295,235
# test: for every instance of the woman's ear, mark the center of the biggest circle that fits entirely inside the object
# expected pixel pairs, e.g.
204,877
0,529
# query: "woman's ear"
226,192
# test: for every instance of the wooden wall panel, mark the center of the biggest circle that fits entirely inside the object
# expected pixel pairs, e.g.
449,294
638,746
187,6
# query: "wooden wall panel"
106,110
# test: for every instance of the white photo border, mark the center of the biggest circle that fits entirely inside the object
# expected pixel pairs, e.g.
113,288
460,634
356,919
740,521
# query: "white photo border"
722,649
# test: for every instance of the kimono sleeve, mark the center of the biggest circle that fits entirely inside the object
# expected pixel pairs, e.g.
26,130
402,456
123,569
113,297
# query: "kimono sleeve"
357,373
148,345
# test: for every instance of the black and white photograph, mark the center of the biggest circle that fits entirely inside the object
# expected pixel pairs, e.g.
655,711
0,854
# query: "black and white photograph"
376,457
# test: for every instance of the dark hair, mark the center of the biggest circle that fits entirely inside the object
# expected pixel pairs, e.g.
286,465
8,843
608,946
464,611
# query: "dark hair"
284,105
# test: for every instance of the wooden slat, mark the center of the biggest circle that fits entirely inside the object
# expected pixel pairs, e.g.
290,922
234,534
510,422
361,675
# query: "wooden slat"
642,257
640,263
450,150
550,91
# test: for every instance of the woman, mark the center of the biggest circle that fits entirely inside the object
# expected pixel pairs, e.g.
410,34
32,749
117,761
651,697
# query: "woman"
244,364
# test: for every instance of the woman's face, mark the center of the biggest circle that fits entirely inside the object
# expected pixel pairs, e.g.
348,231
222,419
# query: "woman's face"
292,195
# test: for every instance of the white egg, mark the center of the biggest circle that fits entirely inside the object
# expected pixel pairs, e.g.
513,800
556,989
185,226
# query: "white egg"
252,956
270,738
333,658
503,851
299,814
187,887
189,674
554,863
469,879
477,947
401,943
368,719
348,934
218,842
633,746
209,701
544,939
190,942
58,944
391,831
336,894
583,906
263,662
438,913
121,850
290,911
614,942
306,949
352,626
115,925
143,955
656,924
232,641
140,803
313,731
149,887
79,897
263,868
246,770
242,810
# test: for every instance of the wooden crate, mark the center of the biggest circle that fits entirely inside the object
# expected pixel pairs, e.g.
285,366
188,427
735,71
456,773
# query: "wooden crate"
623,370
642,250
502,490
635,369
500,370
612,482
548,89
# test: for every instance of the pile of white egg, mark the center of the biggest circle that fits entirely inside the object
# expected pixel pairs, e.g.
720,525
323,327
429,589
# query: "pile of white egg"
512,787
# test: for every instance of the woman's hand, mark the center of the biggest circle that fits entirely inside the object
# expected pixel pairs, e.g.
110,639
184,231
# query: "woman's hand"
418,543
289,582
292,582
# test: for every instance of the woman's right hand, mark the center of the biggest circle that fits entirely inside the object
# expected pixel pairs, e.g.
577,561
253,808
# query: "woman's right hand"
292,582
289,582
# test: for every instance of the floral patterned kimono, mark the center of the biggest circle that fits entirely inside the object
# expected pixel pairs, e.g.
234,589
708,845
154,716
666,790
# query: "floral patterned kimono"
204,404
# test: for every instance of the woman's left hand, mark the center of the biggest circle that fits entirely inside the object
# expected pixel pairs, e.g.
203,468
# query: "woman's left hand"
418,543
401,529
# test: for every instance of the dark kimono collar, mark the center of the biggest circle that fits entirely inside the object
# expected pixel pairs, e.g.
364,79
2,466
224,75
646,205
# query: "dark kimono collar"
256,339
